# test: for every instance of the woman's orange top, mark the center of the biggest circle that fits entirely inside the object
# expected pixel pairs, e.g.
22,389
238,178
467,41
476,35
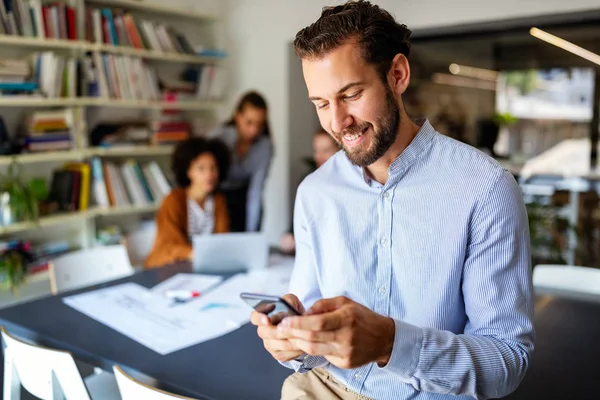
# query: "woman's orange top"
172,241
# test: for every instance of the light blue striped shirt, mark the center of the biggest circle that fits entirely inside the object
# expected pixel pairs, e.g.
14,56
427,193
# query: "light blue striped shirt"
442,248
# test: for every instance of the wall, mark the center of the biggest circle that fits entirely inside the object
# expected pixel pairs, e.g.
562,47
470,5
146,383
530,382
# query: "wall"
260,32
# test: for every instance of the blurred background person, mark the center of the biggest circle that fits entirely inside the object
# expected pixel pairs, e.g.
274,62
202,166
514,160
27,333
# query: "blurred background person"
248,137
324,146
195,207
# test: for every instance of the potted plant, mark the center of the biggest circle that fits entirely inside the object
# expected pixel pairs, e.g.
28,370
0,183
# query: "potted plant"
14,257
18,202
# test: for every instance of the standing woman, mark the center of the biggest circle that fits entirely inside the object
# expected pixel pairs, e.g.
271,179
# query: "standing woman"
248,137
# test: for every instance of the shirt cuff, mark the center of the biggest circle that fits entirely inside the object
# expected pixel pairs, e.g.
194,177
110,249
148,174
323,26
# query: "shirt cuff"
305,363
406,353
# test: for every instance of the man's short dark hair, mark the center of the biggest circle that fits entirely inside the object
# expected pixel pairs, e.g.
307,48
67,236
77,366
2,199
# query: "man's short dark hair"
188,150
378,34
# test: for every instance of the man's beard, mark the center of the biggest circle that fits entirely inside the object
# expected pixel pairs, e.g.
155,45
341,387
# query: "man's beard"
381,139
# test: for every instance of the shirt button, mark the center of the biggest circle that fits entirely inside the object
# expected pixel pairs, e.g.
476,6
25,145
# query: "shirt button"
357,375
386,194
382,290
383,241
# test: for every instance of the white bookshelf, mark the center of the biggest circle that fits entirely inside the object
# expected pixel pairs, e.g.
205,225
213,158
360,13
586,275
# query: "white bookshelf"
84,222
163,9
82,154
76,217
37,43
81,47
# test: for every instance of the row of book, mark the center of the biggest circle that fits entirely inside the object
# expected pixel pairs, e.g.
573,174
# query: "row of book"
104,75
77,186
118,28
31,18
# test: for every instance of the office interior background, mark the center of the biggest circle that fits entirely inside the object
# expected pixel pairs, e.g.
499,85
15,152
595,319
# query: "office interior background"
504,78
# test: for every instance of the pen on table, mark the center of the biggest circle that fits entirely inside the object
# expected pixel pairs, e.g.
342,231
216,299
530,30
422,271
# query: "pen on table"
182,296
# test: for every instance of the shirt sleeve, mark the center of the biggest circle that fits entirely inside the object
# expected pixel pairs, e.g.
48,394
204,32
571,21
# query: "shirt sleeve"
261,159
304,284
491,357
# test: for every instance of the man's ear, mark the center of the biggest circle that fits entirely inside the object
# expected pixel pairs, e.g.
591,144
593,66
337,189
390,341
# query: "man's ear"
399,74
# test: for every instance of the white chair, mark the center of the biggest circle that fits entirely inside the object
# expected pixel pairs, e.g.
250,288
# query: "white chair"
48,374
139,244
89,267
131,389
567,281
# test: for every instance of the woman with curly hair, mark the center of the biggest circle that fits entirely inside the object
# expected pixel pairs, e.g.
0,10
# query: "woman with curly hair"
194,207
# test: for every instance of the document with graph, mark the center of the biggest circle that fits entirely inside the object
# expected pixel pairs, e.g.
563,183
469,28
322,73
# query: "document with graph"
164,326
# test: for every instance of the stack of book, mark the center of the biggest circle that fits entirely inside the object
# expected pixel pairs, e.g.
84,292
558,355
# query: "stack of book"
48,131
118,28
170,127
14,77
30,18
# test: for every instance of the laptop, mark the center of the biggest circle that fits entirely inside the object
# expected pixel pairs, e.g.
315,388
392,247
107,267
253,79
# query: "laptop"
230,252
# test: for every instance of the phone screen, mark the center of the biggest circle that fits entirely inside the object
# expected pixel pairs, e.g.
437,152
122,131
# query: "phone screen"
275,308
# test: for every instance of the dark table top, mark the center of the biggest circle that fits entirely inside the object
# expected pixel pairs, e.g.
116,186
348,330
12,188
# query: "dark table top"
565,363
236,366
233,366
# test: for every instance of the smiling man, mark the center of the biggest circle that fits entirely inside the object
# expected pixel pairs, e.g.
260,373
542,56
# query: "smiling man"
413,255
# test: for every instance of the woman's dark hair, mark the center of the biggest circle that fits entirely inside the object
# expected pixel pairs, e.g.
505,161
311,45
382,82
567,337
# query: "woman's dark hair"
255,100
188,150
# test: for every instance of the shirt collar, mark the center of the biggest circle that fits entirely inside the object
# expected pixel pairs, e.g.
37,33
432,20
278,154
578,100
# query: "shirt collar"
413,151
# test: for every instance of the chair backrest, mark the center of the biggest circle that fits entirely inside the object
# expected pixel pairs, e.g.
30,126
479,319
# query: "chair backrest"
132,389
89,267
139,243
45,373
568,281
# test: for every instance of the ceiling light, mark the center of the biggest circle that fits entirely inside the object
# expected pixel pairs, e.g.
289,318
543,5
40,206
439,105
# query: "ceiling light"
473,72
453,80
565,45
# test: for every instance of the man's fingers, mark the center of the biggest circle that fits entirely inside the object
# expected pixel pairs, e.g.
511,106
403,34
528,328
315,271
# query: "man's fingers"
259,319
294,302
311,336
320,322
271,332
275,345
327,305
314,348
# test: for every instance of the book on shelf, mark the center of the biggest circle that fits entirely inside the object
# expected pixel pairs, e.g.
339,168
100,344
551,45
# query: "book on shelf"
37,19
119,28
105,184
128,184
120,77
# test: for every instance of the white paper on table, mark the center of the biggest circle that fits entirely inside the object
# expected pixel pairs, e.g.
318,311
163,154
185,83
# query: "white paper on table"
193,282
147,318
280,260
274,280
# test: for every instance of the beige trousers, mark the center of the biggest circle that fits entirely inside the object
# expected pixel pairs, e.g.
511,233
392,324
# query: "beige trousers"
317,384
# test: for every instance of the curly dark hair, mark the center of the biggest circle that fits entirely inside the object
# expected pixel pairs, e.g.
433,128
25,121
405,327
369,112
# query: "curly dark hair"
377,33
188,150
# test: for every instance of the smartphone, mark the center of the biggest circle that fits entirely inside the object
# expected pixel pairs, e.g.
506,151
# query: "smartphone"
274,307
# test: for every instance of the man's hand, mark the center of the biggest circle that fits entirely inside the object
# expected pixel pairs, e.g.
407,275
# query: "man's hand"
276,343
346,333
